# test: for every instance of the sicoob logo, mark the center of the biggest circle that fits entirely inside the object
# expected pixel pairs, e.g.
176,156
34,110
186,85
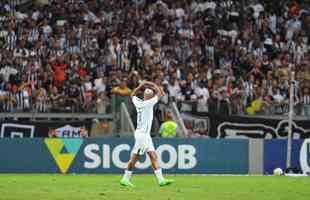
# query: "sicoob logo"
56,147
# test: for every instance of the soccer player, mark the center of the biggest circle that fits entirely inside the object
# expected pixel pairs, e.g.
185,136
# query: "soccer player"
143,140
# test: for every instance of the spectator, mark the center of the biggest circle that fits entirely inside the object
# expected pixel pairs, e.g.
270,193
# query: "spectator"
168,129
305,100
195,46
42,100
102,103
238,99
122,89
203,95
187,97
56,99
120,94
72,97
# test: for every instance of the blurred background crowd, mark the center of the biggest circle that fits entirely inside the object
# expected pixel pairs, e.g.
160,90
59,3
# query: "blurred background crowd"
225,56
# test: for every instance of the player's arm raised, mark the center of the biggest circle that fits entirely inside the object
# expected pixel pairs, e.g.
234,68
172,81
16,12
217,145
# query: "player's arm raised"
136,90
159,91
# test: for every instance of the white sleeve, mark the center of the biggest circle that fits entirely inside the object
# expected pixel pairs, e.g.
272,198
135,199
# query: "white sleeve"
152,101
136,101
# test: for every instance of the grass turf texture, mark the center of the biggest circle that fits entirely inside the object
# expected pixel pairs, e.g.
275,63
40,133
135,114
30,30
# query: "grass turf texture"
106,187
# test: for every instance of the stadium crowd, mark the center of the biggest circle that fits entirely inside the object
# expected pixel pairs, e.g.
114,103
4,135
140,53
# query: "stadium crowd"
229,57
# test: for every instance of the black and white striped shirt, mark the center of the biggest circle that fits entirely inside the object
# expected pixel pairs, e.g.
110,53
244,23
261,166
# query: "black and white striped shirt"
33,77
55,52
73,49
42,104
22,100
7,106
10,40
18,101
85,40
306,99
33,35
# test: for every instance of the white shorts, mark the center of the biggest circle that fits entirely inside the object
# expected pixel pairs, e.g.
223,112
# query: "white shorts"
143,143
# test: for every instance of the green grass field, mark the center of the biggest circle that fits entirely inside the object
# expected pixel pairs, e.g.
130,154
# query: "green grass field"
106,187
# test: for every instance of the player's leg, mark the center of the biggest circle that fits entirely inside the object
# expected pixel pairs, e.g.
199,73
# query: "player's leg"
128,172
132,162
137,151
157,170
155,165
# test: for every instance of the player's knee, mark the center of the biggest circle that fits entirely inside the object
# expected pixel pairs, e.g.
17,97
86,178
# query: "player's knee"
135,158
153,156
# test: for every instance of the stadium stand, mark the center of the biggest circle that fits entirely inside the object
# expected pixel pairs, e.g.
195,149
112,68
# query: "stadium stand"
228,57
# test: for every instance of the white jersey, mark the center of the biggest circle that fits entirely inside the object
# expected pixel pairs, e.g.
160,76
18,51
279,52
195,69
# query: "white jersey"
144,114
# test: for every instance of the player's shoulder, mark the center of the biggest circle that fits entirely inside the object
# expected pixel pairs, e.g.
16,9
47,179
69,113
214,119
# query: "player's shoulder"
136,100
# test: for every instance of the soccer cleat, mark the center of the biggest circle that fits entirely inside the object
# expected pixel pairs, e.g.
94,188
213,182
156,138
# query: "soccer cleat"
126,183
166,182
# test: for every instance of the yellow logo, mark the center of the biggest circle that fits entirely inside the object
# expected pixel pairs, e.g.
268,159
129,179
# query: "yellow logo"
56,146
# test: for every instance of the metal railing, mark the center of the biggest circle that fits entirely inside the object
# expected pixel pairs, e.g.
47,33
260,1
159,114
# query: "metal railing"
127,128
34,116
177,117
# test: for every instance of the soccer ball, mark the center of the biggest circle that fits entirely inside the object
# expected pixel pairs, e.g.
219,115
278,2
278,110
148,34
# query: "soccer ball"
277,172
